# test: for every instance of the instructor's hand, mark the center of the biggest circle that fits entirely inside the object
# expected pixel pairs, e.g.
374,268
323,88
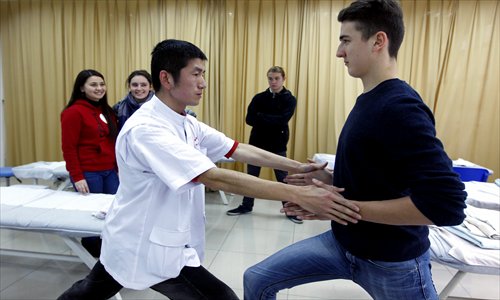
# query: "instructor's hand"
311,171
323,202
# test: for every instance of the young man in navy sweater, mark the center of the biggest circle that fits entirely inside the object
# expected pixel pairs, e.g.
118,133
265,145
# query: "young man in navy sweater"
389,163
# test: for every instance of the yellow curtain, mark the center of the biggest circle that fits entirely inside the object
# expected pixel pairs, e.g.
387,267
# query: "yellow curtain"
468,93
449,54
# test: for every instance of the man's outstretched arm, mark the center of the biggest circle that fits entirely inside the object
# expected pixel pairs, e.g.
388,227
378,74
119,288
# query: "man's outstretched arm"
319,201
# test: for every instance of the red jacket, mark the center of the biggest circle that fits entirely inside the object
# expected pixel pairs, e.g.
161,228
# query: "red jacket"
86,143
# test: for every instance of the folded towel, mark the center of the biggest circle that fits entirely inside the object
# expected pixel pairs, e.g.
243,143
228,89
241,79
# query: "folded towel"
488,216
486,229
479,241
483,195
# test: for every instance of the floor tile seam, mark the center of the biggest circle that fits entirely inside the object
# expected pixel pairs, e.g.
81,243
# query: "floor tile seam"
20,279
219,249
264,229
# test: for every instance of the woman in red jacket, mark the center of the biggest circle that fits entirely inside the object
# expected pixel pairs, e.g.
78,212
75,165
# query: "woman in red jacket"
89,130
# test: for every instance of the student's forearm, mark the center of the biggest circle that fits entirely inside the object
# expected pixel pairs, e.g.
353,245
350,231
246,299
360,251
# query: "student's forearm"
400,211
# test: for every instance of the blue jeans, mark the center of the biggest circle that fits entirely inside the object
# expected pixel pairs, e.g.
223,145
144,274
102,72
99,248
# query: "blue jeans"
322,258
103,182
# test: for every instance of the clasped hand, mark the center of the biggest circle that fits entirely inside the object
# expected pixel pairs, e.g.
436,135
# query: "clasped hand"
338,209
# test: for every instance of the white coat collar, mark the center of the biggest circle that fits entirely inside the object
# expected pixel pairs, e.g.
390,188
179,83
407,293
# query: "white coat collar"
166,112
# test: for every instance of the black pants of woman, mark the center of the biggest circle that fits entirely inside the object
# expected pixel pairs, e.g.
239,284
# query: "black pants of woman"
192,283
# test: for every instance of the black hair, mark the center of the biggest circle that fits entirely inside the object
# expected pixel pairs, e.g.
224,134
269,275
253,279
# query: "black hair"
171,56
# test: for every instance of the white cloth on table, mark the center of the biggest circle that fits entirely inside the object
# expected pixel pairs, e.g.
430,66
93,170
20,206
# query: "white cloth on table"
325,157
41,170
474,245
489,216
453,250
478,241
483,195
72,201
481,228
16,195
36,209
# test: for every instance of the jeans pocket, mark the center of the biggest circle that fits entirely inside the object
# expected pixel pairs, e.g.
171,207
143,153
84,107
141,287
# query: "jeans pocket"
397,266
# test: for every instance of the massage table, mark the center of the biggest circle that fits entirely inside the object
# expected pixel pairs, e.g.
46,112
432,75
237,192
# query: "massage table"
6,172
462,250
68,215
54,171
450,249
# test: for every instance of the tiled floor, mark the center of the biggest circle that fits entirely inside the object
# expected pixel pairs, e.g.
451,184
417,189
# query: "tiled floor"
233,244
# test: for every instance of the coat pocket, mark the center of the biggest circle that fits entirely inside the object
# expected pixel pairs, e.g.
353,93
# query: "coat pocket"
165,254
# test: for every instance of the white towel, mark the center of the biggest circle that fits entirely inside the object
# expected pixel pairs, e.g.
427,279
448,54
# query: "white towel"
472,256
447,247
483,195
489,216
479,241
484,228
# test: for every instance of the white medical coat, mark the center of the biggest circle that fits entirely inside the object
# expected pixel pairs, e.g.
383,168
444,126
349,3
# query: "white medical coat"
156,224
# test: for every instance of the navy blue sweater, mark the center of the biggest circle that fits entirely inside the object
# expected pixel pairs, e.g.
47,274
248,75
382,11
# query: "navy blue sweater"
388,149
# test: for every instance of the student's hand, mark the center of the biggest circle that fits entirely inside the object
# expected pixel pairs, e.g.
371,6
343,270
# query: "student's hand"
324,202
292,209
309,171
82,186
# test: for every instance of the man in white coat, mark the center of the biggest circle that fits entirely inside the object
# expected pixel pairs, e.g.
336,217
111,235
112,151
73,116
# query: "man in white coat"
154,235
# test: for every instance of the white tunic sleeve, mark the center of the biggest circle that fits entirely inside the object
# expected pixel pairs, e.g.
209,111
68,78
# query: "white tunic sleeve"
167,156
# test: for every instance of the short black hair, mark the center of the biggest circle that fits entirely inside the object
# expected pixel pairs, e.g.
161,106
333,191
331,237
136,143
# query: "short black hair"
172,55
372,16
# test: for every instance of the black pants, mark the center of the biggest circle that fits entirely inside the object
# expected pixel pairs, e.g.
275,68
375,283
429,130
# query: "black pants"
255,171
192,283
93,245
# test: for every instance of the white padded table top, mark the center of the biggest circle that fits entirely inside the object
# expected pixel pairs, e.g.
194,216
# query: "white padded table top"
48,210
47,170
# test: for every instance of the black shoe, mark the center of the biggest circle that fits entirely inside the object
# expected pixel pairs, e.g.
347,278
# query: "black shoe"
240,210
295,220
